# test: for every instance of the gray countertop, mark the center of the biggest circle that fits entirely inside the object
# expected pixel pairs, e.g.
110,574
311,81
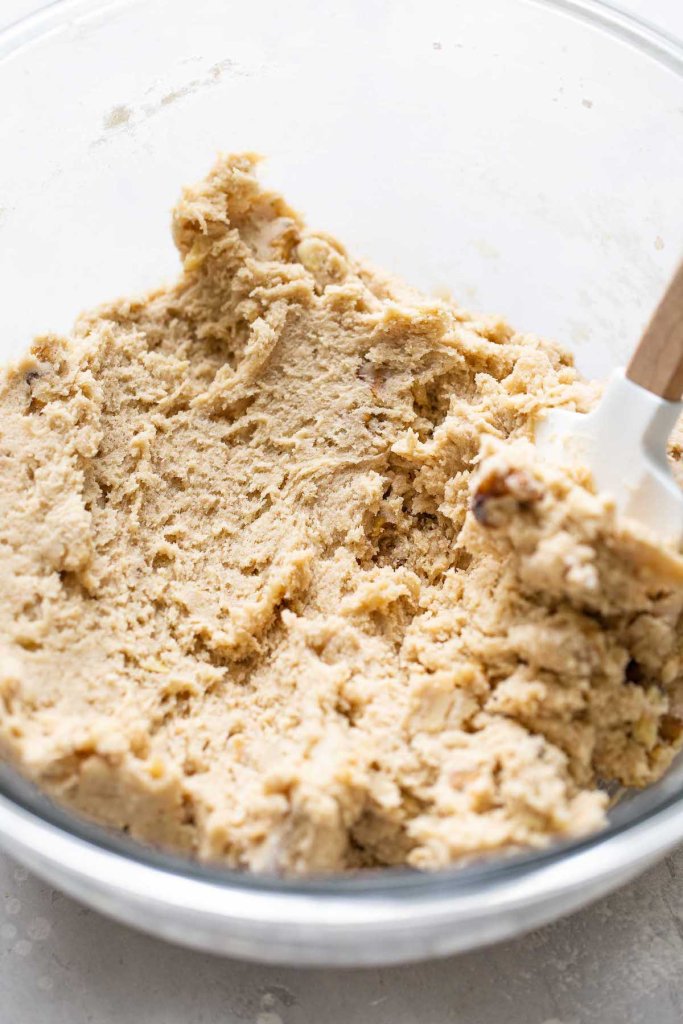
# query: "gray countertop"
618,962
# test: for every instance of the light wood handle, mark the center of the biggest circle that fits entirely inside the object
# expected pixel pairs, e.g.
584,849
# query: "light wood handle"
657,363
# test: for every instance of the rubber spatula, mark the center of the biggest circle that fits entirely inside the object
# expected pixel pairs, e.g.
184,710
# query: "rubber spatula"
623,441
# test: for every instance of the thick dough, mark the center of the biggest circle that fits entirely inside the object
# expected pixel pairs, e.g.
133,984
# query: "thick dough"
284,583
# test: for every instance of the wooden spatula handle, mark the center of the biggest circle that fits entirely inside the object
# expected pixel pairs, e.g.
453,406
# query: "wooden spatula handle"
657,363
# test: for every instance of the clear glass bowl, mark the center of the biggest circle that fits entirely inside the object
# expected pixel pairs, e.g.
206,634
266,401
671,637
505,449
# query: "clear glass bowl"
530,153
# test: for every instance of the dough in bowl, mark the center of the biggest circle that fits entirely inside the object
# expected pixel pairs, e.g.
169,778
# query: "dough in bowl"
285,584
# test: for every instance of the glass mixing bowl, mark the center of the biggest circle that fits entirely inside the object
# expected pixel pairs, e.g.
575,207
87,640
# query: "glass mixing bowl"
525,154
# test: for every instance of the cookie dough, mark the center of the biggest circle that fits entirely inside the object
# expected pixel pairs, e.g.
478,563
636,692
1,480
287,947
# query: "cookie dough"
285,584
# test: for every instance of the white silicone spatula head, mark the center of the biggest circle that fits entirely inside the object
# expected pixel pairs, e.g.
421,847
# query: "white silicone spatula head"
623,440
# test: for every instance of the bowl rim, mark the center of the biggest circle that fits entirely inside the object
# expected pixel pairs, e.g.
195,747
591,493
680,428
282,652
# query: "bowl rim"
32,823
651,39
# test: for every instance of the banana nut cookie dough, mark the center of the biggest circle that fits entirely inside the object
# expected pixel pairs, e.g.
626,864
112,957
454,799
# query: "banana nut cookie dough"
284,583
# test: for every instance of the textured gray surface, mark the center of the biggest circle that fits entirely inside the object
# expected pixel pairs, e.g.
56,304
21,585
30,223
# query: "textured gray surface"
619,962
